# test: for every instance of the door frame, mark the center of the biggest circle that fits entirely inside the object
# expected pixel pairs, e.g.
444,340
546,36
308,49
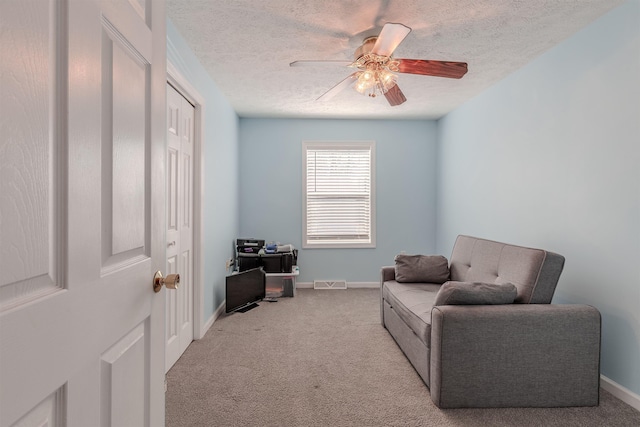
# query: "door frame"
182,85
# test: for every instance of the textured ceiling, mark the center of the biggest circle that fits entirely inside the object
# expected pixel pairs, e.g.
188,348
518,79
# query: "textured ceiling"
247,45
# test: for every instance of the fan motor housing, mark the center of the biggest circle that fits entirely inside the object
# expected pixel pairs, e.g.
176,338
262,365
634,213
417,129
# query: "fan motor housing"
365,47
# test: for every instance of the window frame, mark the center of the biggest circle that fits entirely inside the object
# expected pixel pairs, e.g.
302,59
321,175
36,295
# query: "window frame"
341,145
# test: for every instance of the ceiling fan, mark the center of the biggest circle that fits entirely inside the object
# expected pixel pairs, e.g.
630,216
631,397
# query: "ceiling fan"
375,66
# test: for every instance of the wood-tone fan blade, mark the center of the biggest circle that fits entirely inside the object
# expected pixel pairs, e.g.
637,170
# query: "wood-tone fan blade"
305,63
389,39
395,96
453,70
338,88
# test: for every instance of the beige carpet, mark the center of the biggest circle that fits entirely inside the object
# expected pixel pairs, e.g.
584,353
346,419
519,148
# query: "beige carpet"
323,359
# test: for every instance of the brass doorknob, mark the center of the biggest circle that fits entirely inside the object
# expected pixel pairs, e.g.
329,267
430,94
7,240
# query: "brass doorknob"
171,281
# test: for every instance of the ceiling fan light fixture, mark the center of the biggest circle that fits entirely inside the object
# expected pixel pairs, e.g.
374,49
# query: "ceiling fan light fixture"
365,82
374,82
376,67
387,80
368,75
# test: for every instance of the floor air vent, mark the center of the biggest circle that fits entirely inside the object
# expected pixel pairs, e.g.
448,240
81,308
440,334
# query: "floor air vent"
329,284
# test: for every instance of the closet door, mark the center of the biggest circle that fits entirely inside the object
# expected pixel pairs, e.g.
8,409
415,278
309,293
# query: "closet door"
180,141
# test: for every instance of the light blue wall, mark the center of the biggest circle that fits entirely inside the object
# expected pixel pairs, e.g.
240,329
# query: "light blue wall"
271,191
220,151
550,157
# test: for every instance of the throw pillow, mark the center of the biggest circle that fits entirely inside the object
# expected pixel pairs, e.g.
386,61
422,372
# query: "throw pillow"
475,293
421,269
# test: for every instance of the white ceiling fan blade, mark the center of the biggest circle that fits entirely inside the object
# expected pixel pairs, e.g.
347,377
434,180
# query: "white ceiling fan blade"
338,88
389,39
305,63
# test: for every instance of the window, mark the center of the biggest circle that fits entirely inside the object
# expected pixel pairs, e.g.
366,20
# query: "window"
338,195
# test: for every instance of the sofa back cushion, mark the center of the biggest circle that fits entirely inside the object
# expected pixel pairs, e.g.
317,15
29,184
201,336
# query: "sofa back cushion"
421,269
534,272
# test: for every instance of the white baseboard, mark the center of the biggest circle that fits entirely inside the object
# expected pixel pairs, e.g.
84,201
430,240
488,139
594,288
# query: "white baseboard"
209,323
350,285
368,285
304,285
622,393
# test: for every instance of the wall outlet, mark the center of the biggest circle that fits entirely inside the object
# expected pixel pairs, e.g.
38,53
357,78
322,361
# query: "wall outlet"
229,263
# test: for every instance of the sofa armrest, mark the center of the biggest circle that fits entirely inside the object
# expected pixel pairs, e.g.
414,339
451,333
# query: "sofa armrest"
387,273
515,355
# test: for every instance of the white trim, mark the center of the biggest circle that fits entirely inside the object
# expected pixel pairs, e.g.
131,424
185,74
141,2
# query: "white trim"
177,80
209,323
304,285
622,393
361,285
350,285
338,145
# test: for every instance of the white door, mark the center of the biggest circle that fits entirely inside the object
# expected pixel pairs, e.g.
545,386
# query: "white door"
180,140
82,213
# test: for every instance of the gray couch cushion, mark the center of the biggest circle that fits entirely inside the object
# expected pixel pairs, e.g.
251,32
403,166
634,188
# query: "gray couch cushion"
534,272
475,293
413,303
421,269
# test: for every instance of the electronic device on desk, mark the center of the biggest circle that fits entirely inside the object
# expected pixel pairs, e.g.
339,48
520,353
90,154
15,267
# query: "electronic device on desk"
245,289
248,253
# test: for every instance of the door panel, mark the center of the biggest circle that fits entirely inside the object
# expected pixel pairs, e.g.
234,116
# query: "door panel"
186,311
83,221
171,321
126,76
29,228
49,412
172,195
124,120
123,382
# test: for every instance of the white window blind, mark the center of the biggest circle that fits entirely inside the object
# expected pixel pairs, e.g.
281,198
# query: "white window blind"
339,183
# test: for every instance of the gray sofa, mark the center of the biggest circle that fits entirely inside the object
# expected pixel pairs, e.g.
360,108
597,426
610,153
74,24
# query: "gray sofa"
528,353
